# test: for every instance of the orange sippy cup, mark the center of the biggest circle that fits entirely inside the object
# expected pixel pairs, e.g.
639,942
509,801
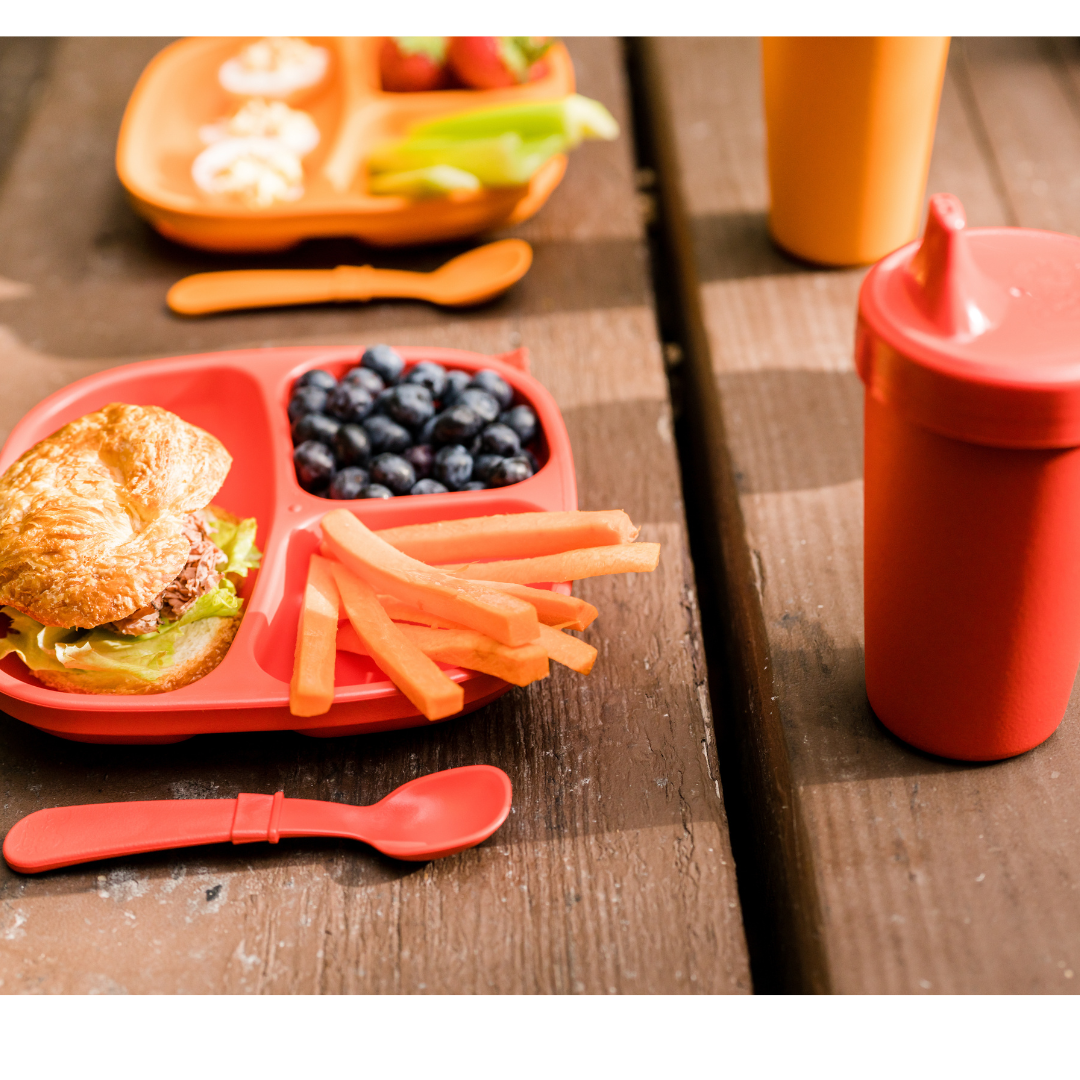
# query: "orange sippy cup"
850,126
968,343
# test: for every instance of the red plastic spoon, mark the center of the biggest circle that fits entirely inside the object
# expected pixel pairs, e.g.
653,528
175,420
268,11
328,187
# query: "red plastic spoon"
428,818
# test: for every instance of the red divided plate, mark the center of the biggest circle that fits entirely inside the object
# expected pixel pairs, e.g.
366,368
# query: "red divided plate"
241,398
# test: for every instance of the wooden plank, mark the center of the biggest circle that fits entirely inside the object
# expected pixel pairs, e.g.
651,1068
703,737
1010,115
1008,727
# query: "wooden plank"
614,871
892,871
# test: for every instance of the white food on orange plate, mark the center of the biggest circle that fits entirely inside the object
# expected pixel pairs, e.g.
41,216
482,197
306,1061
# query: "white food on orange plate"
259,118
259,171
274,67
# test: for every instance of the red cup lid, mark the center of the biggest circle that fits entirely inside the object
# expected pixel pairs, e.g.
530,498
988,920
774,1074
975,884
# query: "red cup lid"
975,333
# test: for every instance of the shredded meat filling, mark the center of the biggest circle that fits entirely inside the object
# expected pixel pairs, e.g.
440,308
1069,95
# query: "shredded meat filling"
200,575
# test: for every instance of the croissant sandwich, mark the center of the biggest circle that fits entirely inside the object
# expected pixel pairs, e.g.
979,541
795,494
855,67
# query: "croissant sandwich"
116,574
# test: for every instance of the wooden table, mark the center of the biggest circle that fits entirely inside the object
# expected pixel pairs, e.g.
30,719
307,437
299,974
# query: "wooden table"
865,866
614,872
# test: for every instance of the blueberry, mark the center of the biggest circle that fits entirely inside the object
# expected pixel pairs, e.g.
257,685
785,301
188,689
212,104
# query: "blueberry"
384,361
481,403
426,435
365,377
427,487
429,374
349,403
510,471
306,399
530,457
421,458
494,384
474,485
393,472
317,377
456,381
453,467
314,465
456,424
523,420
483,466
385,436
348,483
381,398
315,425
500,439
352,445
475,446
376,491
410,405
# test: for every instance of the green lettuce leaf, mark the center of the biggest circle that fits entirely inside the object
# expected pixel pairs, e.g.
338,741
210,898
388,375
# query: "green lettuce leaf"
237,540
148,656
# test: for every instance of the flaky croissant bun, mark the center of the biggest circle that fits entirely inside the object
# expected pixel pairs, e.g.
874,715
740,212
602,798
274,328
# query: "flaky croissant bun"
91,517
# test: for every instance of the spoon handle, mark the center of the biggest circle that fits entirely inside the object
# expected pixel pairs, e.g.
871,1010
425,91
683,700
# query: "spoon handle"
66,835
229,290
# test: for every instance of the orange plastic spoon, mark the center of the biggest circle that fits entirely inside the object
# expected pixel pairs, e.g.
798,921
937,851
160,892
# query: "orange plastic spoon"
428,818
472,278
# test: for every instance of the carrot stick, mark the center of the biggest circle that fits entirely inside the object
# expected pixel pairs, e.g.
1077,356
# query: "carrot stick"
467,649
563,648
311,691
414,674
569,566
567,649
502,535
552,608
401,612
502,617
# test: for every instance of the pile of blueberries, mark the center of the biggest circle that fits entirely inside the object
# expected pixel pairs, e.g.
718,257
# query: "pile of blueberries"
381,431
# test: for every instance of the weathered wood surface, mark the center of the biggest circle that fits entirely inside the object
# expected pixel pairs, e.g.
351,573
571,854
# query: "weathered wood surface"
614,872
888,870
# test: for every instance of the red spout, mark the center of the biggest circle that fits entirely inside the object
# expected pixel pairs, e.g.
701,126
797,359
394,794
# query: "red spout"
951,290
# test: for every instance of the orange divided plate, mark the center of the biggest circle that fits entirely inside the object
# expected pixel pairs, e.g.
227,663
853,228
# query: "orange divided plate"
241,398
179,92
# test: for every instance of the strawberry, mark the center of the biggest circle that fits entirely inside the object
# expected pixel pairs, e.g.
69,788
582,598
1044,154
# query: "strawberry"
487,63
409,64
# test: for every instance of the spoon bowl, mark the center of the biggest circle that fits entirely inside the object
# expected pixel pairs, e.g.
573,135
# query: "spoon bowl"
480,274
439,814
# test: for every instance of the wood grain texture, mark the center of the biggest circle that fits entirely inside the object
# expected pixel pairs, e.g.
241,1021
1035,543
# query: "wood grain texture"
613,873
897,872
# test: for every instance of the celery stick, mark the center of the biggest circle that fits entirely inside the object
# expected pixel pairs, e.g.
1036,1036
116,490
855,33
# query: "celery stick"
434,48
502,161
574,117
424,183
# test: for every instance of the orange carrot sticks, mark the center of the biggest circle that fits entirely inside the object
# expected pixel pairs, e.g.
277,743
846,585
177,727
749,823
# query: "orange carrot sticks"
567,649
399,611
502,617
468,649
552,608
414,674
568,566
563,648
505,535
311,691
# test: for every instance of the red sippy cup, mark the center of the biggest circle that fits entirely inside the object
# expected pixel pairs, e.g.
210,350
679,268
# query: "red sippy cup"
968,342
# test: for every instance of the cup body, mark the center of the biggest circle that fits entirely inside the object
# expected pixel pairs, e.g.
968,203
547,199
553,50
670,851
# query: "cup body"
850,128
972,588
